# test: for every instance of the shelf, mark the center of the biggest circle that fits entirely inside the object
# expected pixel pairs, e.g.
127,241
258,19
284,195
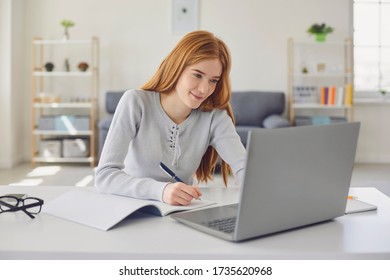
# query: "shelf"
63,160
62,104
320,44
63,133
62,42
62,74
310,87
319,106
325,75
56,92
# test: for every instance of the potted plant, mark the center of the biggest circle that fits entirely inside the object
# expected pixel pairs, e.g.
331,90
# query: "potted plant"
66,24
49,66
320,31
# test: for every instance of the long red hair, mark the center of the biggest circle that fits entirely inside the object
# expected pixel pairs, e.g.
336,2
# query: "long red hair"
192,48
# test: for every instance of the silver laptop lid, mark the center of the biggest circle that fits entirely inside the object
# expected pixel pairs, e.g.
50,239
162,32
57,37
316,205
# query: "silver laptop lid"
295,176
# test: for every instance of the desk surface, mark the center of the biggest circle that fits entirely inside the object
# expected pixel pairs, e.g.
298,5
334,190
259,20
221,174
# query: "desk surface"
143,236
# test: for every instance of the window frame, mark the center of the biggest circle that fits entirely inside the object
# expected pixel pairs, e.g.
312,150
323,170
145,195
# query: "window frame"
378,49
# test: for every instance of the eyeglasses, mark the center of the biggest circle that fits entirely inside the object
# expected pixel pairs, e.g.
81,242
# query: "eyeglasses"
29,205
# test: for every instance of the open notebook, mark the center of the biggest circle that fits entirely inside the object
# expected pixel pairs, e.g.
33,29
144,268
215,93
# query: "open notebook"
103,211
356,206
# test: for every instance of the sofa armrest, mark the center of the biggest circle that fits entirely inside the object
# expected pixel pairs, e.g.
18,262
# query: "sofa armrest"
275,121
112,100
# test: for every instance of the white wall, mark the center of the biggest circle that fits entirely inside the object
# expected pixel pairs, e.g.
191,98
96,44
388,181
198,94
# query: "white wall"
374,139
12,96
5,80
135,35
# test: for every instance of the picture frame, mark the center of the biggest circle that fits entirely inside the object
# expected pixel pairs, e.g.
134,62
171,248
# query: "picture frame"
185,16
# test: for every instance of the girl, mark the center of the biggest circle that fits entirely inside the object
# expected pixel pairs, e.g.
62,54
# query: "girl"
181,117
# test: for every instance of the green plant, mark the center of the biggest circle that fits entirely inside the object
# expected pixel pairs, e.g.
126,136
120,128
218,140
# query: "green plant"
67,23
320,29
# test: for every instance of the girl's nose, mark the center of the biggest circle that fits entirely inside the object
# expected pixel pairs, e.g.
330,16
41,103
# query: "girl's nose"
203,87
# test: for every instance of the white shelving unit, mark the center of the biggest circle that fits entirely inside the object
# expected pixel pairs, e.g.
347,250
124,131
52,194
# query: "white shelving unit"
59,103
316,65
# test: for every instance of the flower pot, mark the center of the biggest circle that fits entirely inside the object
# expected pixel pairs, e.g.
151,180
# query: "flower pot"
65,37
49,66
320,37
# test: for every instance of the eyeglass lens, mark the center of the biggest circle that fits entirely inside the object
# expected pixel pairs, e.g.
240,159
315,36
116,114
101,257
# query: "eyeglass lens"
14,202
35,209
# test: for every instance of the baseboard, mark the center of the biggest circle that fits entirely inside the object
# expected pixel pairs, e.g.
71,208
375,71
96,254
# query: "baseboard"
10,163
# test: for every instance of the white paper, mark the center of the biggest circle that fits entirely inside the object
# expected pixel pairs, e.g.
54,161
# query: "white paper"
356,206
103,211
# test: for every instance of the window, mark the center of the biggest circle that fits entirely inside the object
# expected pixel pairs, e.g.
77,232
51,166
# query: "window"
371,46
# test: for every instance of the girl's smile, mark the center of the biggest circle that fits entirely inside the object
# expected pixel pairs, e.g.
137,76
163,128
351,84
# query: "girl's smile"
196,83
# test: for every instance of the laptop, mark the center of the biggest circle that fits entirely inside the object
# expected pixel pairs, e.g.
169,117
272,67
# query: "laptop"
294,177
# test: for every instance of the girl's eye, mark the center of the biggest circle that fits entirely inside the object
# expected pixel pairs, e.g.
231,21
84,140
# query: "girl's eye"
197,75
214,81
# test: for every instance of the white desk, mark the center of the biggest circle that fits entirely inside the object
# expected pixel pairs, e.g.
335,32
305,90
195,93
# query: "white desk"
142,236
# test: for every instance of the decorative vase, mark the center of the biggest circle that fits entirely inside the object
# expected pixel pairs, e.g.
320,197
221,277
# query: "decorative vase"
320,37
65,37
83,66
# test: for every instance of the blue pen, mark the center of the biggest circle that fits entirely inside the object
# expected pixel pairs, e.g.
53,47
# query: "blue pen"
170,173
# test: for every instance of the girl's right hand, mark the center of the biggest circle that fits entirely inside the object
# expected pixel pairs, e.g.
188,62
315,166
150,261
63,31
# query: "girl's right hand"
180,193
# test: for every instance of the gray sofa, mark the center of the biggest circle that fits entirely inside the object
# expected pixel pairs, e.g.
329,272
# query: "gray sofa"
112,99
252,109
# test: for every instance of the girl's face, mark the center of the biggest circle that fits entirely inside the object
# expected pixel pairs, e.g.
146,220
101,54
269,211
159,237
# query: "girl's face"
198,81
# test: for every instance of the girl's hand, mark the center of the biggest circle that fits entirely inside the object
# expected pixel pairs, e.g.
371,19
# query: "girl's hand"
180,193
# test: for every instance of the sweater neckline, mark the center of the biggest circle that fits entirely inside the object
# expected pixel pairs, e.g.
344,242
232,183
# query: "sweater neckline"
167,119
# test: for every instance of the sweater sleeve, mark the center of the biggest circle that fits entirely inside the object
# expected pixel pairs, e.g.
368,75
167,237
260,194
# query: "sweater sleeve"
109,175
227,142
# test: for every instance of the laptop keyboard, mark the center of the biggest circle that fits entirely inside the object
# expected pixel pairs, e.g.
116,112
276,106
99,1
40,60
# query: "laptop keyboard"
225,225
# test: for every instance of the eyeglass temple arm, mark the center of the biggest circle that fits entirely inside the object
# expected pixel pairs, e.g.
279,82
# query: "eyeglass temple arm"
6,204
28,214
22,208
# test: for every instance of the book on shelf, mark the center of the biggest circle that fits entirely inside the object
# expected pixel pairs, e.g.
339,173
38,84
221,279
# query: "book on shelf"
324,95
332,95
348,94
340,96
104,211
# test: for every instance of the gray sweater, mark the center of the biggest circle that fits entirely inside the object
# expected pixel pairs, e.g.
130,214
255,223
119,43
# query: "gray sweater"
142,135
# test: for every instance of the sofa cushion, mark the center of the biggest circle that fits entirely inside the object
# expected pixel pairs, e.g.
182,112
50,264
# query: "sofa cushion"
250,108
275,121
